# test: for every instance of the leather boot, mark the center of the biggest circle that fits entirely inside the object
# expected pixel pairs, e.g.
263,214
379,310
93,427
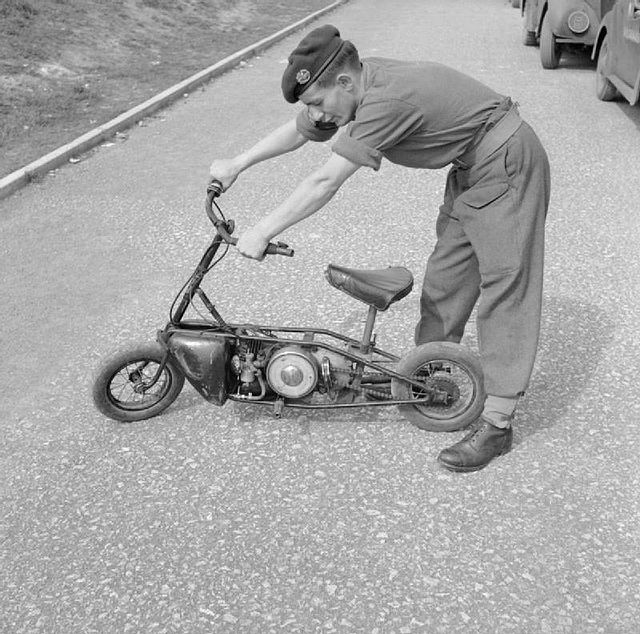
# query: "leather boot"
482,443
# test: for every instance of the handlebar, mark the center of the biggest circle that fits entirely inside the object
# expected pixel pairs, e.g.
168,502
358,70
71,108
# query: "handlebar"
225,227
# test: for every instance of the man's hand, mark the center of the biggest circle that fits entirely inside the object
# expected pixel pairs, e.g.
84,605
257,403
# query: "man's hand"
252,244
224,170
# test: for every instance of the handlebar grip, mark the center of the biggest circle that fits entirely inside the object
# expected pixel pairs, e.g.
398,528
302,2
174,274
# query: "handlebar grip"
279,248
215,188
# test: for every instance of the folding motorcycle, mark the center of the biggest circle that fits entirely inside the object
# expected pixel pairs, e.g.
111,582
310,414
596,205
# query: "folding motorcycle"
437,386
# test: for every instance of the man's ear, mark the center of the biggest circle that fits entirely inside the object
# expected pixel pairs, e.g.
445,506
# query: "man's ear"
345,81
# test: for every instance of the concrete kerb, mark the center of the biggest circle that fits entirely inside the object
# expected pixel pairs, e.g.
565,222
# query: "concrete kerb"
14,181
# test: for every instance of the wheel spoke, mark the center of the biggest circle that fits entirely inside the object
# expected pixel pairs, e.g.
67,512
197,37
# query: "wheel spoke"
124,387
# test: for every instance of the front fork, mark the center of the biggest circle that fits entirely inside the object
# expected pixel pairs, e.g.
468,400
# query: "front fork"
143,386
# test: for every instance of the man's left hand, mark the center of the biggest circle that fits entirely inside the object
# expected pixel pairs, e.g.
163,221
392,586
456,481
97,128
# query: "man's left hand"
252,244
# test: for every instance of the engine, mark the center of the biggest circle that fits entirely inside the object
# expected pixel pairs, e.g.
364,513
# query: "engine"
291,371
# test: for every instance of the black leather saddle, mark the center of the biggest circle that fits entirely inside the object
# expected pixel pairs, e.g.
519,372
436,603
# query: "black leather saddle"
377,287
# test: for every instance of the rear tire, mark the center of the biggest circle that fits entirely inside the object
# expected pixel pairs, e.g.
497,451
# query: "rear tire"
119,386
605,90
451,368
550,50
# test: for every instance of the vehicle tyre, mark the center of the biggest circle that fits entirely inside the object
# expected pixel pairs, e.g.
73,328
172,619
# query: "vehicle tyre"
451,368
605,90
529,37
549,48
119,386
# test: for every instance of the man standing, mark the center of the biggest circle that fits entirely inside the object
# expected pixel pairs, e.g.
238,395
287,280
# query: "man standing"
490,229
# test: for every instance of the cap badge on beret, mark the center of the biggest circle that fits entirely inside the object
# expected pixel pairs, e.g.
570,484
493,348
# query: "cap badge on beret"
309,60
303,76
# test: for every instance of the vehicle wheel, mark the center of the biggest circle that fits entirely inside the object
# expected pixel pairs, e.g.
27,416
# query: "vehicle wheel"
119,387
605,90
456,374
529,37
549,49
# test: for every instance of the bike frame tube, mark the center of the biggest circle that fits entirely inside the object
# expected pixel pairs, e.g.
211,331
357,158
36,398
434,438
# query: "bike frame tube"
230,331
194,286
286,403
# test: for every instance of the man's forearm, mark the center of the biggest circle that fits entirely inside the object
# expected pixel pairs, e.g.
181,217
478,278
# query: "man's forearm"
284,139
309,196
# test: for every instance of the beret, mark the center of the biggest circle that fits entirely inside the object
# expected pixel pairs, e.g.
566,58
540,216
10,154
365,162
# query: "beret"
309,60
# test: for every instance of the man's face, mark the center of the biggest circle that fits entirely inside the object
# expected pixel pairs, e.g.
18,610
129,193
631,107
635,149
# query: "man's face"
332,104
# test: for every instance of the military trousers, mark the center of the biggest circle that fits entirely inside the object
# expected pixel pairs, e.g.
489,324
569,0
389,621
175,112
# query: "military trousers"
490,252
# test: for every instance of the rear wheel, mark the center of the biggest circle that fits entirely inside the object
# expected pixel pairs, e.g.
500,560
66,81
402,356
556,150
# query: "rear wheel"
549,48
605,90
452,375
123,388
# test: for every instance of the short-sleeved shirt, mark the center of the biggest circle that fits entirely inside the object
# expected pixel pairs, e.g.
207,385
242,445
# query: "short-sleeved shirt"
417,114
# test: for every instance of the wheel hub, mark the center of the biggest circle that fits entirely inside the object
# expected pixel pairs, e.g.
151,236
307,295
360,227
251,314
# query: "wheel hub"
447,391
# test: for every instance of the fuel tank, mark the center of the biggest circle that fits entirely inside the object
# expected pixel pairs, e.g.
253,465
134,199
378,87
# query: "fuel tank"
203,358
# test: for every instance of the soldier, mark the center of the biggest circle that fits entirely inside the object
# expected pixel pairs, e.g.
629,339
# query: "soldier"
490,229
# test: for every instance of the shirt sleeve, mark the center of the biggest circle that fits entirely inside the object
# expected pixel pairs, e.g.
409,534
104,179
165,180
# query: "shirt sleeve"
311,130
378,126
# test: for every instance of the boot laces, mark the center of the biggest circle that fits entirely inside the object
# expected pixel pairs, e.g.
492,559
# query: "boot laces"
480,428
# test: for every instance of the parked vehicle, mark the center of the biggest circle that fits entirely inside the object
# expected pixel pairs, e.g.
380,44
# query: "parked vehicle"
617,49
555,24
530,11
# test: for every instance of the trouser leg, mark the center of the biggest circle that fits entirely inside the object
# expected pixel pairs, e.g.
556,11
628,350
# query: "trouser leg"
507,235
508,323
450,290
451,282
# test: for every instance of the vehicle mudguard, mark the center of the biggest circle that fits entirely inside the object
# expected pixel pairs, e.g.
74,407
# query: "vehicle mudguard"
558,12
203,358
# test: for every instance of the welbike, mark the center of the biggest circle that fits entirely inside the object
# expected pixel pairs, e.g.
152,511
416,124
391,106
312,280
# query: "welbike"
437,386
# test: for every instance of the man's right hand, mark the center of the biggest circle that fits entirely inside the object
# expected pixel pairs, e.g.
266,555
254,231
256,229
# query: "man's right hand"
225,171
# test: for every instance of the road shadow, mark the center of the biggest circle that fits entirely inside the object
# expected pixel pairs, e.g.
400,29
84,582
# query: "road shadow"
631,112
577,58
574,335
305,417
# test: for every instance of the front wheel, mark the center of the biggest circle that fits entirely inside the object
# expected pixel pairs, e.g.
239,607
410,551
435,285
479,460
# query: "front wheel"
451,375
124,387
549,48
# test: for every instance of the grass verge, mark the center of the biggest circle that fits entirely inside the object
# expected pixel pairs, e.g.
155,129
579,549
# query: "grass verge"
67,66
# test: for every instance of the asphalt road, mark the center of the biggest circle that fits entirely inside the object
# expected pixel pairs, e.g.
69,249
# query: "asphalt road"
230,520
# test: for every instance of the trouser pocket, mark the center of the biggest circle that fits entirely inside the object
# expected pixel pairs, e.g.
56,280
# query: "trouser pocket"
490,221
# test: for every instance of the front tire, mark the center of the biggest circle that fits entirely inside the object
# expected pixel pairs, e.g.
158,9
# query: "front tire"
550,50
453,371
605,90
121,387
